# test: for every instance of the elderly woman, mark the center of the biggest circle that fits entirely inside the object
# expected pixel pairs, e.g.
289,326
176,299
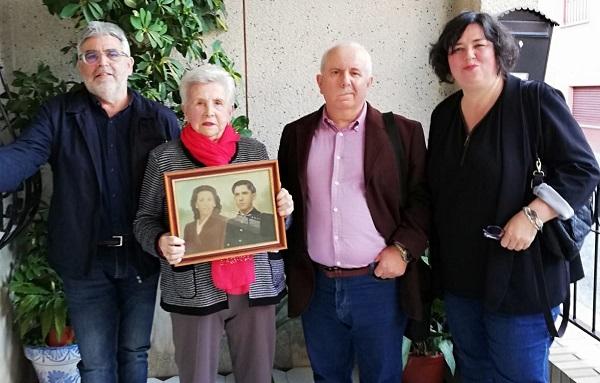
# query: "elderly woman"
487,221
207,231
207,298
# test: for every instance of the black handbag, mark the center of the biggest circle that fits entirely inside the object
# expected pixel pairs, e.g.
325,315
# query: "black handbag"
563,238
559,238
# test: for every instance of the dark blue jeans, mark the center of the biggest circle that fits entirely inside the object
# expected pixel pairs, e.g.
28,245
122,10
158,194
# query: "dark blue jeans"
495,347
354,317
111,311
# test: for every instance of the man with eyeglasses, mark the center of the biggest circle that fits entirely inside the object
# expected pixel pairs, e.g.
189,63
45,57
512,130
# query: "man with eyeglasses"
96,140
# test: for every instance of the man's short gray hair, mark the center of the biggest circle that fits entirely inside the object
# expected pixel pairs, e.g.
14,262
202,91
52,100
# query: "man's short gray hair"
102,28
206,74
348,44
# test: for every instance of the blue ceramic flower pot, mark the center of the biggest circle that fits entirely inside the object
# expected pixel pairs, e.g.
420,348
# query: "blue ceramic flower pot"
55,364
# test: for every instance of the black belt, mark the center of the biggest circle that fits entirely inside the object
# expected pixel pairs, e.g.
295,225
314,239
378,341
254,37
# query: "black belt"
115,241
339,272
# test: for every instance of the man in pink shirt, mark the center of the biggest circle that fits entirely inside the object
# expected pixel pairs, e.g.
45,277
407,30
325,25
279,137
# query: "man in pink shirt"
357,226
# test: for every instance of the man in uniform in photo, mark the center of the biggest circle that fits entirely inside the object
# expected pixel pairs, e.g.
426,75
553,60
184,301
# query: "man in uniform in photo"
250,226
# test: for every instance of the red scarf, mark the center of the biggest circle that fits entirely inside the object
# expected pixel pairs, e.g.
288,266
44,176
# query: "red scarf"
233,275
207,151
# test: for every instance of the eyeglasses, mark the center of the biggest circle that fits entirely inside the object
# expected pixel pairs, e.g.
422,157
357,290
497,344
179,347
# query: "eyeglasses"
93,57
493,232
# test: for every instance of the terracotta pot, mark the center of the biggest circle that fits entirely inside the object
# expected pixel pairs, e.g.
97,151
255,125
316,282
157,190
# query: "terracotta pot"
68,336
424,369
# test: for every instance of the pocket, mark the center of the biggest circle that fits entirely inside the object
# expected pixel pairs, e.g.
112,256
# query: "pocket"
185,282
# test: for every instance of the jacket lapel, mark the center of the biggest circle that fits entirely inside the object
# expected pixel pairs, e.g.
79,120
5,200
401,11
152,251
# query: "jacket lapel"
87,126
375,136
304,139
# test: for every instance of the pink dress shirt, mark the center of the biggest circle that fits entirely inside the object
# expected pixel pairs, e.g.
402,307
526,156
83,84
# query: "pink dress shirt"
340,229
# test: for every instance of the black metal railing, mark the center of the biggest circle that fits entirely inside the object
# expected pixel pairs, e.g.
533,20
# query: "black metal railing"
584,323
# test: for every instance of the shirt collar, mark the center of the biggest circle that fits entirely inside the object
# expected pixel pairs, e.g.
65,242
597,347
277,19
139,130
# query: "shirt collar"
94,101
355,125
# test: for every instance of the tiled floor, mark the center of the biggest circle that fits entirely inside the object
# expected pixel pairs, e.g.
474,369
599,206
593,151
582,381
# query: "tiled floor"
575,358
295,375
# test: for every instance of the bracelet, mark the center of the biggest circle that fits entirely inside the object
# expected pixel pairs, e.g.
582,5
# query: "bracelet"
403,253
533,218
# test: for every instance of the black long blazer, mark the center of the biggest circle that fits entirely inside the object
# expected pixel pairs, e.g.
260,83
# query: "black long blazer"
509,285
64,134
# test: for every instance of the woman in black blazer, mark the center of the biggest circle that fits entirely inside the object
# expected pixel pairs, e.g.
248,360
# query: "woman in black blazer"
486,220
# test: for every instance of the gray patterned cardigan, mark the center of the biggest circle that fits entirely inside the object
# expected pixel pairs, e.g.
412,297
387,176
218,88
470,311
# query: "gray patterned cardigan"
189,289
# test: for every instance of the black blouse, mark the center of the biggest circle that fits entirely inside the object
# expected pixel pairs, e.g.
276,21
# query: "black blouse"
465,177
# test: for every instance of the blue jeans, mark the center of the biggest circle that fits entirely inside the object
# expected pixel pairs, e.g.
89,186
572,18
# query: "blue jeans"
495,347
111,311
355,317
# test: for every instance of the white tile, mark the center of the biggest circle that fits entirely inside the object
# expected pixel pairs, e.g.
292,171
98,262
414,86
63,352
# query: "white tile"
279,376
300,375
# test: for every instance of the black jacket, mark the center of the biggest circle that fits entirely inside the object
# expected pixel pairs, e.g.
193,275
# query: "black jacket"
64,134
509,285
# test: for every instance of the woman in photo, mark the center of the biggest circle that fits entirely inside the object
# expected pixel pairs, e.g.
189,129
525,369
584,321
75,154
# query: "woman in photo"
207,231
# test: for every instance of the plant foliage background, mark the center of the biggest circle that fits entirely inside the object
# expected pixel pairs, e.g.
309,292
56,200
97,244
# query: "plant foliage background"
163,34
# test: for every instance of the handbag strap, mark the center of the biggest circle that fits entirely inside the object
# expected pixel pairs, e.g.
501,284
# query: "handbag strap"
396,141
543,291
532,104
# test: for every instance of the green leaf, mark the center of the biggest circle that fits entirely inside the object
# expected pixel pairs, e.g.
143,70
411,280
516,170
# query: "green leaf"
240,124
46,320
130,3
96,10
69,10
146,17
217,46
135,22
60,315
87,14
446,347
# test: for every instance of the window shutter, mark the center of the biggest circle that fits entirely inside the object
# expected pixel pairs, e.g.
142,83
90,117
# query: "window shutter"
586,105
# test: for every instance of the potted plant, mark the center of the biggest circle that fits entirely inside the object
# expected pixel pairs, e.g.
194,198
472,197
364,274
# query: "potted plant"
425,360
40,310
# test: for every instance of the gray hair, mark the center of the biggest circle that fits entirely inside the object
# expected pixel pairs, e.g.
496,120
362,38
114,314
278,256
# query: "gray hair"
348,44
205,74
101,28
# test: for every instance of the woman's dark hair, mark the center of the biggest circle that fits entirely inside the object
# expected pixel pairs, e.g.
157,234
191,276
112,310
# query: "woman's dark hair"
202,188
505,47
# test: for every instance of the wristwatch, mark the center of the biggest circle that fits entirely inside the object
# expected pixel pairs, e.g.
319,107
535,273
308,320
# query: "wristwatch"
404,254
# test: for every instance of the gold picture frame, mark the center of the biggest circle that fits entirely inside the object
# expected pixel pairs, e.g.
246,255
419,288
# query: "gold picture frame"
243,219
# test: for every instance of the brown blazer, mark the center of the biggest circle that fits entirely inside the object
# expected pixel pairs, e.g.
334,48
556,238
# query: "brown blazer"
408,226
212,236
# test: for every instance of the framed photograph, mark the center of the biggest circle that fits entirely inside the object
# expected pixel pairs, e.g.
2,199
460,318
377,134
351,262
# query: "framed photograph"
225,211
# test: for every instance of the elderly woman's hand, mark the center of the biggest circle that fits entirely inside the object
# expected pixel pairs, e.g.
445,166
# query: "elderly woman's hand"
285,203
172,248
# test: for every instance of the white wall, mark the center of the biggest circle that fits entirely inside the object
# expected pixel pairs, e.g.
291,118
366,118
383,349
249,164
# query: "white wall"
13,366
574,58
